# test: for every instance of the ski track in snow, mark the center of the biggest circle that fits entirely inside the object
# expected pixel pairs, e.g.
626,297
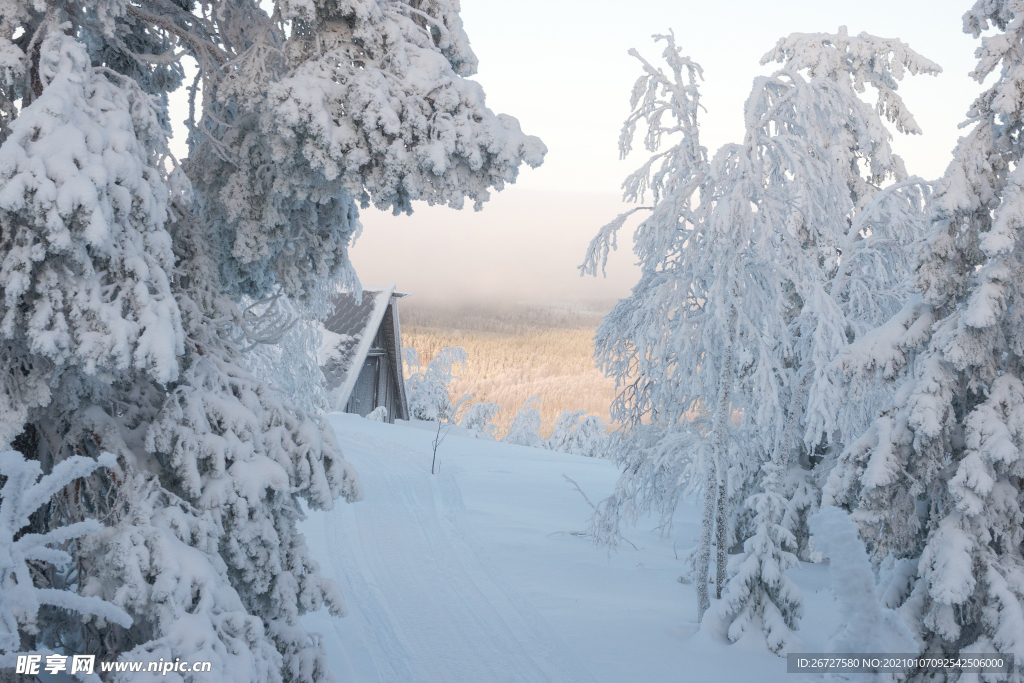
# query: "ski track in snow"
429,606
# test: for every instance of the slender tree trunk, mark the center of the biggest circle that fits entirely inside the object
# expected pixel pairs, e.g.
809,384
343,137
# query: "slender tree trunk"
720,539
793,437
715,507
704,557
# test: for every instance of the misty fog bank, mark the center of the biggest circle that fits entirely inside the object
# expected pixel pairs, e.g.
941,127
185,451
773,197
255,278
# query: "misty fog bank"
523,247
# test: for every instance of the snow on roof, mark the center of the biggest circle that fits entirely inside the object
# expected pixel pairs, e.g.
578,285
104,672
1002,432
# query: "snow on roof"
348,336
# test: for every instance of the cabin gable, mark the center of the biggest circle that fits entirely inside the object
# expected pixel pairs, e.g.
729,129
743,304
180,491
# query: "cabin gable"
362,354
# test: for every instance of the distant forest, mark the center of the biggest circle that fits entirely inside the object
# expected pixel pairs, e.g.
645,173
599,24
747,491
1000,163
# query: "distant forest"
516,351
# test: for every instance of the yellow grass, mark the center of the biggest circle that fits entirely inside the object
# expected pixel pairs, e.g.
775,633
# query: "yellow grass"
515,352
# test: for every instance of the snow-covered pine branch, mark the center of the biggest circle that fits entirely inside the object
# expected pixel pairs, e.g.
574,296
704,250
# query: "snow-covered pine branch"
25,490
366,102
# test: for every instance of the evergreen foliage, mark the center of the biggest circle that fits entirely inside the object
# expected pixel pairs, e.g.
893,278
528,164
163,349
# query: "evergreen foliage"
139,296
934,481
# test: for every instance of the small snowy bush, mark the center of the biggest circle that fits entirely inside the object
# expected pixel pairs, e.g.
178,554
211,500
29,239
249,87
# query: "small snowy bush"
378,414
429,389
480,418
523,429
580,434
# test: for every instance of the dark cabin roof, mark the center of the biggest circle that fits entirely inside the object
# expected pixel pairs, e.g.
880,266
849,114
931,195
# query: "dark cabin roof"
356,322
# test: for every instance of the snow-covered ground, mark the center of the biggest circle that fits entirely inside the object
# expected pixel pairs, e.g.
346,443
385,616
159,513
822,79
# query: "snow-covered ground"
475,574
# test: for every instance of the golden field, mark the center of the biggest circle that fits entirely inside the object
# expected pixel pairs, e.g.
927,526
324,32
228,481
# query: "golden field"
514,352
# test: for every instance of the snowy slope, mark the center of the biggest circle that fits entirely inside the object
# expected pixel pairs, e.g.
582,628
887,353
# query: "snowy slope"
473,575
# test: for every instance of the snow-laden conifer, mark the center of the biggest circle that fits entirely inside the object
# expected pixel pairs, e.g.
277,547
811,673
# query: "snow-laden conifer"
85,255
934,482
360,102
129,283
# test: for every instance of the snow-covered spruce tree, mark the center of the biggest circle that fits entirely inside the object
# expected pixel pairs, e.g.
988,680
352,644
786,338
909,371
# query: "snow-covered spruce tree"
123,279
935,482
738,319
84,246
92,334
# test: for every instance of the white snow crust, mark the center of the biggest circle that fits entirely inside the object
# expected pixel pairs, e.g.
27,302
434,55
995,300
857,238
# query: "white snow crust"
479,574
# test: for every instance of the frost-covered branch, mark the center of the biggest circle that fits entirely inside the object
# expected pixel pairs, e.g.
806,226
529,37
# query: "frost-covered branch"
25,490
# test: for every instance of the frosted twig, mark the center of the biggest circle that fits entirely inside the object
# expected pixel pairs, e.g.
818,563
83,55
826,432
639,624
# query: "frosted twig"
573,482
585,534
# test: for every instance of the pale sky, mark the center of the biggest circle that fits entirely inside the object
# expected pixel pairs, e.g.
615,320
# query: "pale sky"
561,68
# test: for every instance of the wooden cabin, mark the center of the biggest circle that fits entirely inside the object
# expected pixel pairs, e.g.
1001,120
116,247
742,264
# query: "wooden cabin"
361,355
